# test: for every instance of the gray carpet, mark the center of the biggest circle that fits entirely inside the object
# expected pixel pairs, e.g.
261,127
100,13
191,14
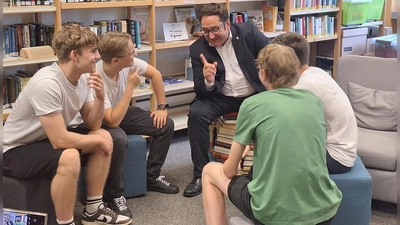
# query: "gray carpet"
163,209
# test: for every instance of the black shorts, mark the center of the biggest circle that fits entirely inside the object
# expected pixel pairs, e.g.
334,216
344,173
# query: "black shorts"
239,195
36,160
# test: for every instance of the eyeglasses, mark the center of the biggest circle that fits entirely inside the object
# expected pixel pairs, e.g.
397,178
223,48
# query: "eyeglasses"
214,30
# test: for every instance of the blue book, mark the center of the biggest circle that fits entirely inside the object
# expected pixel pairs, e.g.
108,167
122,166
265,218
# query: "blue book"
138,42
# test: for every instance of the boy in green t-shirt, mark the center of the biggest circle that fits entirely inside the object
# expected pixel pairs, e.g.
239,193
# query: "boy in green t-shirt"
290,182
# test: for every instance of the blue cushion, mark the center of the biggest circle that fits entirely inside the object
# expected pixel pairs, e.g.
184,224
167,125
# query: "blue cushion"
355,208
356,187
135,173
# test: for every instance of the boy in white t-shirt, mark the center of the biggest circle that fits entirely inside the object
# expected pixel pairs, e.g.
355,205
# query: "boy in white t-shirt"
341,124
36,142
120,70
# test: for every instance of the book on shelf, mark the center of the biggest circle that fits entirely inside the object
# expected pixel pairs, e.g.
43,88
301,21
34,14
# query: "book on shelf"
186,14
270,17
238,17
141,15
256,17
172,80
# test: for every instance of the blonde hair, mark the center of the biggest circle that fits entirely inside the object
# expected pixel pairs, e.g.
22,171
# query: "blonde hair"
114,45
72,37
280,64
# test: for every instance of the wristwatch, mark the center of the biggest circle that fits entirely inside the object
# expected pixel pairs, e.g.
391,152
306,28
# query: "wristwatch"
162,106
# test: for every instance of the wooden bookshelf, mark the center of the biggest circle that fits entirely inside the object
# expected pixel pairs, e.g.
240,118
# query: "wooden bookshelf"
19,61
27,9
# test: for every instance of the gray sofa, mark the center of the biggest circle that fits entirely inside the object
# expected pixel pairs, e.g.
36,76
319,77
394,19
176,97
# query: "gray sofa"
371,85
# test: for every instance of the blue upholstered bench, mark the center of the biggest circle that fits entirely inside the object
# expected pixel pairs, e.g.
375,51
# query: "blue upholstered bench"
135,172
355,209
34,194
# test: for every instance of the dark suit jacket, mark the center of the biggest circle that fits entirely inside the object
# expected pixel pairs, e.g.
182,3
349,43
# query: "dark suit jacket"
247,41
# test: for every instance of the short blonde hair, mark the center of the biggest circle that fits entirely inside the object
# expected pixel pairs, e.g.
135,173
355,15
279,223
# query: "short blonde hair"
72,37
280,64
114,45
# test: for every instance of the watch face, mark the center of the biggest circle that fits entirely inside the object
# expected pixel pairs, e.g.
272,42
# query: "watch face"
162,106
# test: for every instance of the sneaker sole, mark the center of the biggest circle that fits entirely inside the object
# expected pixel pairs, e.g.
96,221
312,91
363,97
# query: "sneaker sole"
83,222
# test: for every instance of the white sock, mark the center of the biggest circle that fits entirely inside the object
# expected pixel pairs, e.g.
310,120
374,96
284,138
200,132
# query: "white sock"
92,203
67,222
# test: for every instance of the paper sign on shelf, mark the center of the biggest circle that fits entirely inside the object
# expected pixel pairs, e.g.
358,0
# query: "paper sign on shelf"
175,31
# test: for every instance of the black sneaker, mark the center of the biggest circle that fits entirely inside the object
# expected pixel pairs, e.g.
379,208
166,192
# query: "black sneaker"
162,186
119,206
104,215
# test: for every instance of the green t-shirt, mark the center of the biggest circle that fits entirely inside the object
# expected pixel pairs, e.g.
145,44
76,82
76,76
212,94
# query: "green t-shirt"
290,182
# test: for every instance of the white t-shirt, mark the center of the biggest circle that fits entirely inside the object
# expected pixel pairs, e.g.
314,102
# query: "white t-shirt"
115,89
48,91
342,132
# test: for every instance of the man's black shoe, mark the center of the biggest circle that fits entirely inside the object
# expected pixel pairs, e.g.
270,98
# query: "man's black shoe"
193,188
162,186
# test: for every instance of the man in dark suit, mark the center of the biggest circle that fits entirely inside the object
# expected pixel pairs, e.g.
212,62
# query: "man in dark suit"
225,74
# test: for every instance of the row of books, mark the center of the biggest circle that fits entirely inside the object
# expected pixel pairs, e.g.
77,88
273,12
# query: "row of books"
313,26
298,5
265,18
11,3
21,35
26,35
13,84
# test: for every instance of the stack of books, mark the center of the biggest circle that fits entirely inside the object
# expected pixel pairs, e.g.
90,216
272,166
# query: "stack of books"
226,126
248,161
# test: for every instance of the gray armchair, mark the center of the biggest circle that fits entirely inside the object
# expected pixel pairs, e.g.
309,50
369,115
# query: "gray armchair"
371,85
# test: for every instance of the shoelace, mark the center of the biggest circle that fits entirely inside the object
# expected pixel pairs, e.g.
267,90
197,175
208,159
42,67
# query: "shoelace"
107,211
161,180
121,203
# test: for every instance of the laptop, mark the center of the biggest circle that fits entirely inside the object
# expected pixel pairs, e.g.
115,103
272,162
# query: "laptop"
22,217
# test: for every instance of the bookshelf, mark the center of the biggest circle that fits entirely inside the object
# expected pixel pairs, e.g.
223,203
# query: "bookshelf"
159,54
24,14
290,13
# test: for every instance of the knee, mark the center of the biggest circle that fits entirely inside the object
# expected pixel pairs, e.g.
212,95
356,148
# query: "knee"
106,136
195,112
209,169
69,162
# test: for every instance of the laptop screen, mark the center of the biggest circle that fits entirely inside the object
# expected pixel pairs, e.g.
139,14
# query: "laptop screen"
22,217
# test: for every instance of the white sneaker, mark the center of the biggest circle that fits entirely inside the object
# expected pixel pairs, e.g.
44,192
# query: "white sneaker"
104,215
